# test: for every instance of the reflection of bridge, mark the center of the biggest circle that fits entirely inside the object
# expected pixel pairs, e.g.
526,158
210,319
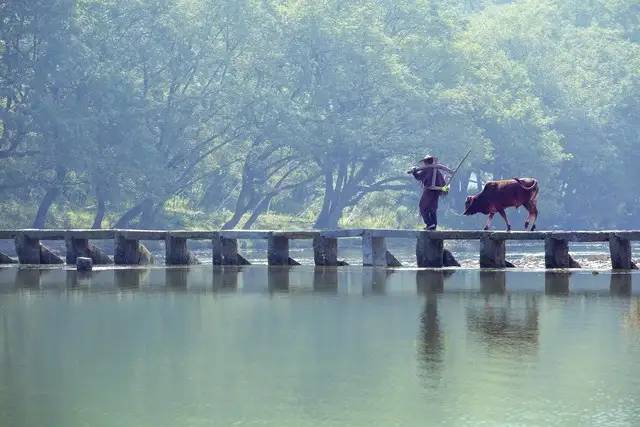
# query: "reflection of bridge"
430,250
365,281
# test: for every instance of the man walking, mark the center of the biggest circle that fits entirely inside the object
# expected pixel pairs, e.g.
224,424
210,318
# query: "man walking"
431,174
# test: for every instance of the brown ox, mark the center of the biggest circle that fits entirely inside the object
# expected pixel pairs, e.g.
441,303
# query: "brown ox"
496,196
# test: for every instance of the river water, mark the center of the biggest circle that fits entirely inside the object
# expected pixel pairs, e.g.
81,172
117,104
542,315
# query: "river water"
305,346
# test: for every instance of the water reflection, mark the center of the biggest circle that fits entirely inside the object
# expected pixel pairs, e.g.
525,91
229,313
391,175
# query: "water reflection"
130,278
28,278
226,278
336,280
632,318
325,279
78,279
176,278
500,321
556,283
620,284
374,280
430,281
278,278
493,282
430,341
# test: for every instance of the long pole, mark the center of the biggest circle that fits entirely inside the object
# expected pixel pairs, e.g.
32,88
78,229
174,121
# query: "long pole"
455,171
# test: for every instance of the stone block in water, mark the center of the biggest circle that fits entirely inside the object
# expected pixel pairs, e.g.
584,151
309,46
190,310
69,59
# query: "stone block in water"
84,264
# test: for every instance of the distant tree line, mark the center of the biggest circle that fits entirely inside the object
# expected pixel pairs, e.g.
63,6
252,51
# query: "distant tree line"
240,113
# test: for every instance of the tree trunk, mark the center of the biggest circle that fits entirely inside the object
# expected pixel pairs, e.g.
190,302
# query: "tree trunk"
49,197
100,209
242,206
149,213
131,214
331,214
322,220
334,216
257,211
233,221
43,210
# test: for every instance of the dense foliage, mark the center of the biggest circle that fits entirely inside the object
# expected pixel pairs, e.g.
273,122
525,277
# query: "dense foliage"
247,113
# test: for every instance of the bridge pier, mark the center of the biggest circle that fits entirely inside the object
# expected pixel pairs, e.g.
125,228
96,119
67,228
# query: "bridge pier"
556,254
78,247
225,252
492,253
325,251
31,251
620,250
28,249
177,252
278,251
130,252
429,252
375,253
374,250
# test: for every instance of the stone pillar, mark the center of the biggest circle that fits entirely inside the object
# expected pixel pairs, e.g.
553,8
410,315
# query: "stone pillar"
131,252
374,251
620,250
74,249
216,246
492,253
177,253
556,254
325,251
82,248
278,250
230,251
225,252
28,249
429,252
84,264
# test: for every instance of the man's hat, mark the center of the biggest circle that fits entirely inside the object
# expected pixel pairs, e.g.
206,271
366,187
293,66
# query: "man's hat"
430,159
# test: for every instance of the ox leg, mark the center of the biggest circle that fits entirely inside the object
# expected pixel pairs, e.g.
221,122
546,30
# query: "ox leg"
488,225
534,205
503,214
533,215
